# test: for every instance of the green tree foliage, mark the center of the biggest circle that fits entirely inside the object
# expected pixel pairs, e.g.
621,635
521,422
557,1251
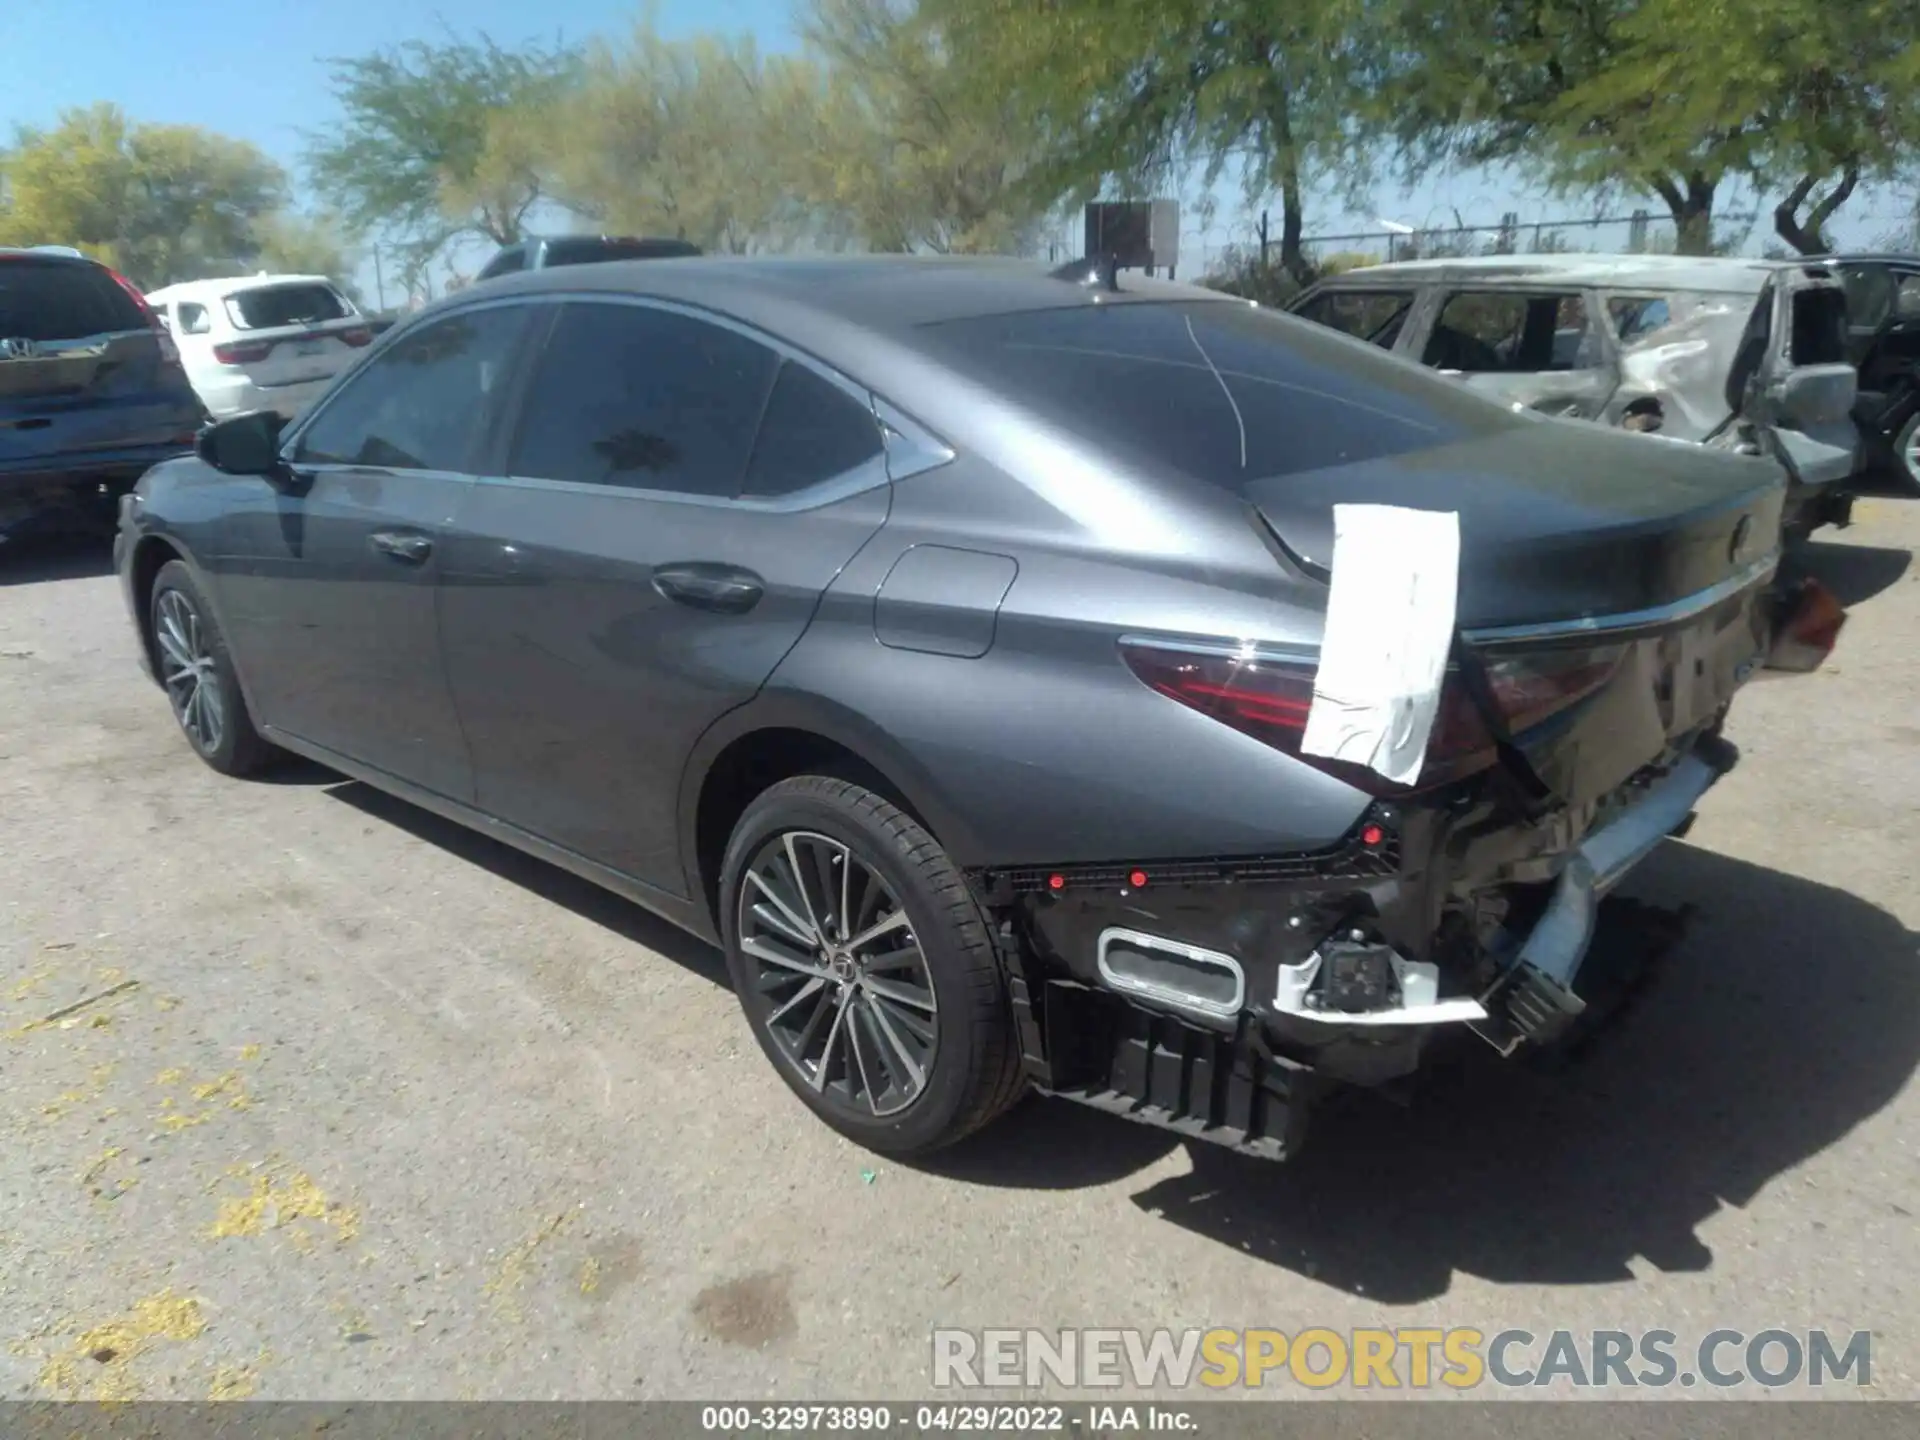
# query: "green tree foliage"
440,140
159,202
907,147
1131,94
690,139
1672,97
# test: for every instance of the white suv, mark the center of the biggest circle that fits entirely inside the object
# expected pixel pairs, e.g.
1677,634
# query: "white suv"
266,342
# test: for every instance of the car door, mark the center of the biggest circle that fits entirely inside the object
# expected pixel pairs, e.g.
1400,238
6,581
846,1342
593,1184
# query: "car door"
675,496
1803,389
330,574
1541,349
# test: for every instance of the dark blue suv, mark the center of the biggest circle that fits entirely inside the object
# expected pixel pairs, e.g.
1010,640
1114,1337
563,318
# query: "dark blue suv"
91,391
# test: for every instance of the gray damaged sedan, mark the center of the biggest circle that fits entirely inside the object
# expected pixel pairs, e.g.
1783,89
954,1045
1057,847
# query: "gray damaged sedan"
1121,692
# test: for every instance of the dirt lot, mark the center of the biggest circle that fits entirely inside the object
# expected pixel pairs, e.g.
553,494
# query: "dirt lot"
365,1106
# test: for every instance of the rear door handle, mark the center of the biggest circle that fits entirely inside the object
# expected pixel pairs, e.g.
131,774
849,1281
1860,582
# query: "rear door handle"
402,545
722,589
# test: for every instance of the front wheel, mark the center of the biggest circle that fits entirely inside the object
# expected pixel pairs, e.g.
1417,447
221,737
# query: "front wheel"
866,967
1906,452
196,670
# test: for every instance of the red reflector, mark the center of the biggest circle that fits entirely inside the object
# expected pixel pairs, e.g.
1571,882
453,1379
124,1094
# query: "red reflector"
1809,630
1372,835
1137,879
1056,882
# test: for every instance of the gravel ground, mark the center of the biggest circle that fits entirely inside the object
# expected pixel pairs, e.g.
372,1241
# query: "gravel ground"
367,1107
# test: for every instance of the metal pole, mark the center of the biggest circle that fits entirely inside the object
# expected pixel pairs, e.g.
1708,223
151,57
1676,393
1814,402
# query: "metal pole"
379,280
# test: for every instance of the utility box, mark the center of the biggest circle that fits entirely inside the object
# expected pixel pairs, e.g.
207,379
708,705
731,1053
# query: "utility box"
1139,234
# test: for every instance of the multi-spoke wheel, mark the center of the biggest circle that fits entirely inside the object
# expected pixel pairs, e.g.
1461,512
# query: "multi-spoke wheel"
865,967
193,666
1906,452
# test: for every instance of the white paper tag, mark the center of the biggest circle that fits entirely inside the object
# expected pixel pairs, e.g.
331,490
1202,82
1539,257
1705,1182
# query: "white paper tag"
1383,659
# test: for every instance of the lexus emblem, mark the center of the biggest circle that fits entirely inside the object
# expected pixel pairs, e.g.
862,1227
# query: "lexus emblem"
18,348
1737,546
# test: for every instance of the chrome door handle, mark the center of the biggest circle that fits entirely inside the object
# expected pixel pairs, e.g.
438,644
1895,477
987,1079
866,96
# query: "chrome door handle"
401,545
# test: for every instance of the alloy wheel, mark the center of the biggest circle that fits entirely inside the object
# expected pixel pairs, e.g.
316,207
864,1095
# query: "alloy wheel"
187,670
1910,453
850,1000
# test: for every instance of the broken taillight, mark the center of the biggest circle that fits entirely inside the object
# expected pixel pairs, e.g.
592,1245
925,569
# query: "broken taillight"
1534,687
1811,619
1269,698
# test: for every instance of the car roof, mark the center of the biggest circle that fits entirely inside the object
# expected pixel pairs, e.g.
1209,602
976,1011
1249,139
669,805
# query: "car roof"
1669,272
51,254
892,294
1867,257
231,285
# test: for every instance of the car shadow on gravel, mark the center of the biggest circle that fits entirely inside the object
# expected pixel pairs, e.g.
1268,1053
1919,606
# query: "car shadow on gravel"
549,882
1854,573
1787,1015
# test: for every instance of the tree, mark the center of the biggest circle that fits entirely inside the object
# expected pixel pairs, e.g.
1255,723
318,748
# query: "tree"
160,202
688,139
1671,97
295,244
1134,93
907,147
433,144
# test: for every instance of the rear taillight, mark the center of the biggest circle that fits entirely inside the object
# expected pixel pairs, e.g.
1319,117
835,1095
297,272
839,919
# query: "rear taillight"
1533,688
356,337
1811,618
1269,699
243,352
169,352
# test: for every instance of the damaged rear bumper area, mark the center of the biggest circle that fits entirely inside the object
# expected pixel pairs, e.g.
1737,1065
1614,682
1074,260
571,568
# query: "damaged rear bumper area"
1220,1003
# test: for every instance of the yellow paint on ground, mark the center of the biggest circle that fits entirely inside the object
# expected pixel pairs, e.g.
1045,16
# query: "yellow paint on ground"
96,1365
249,1052
274,1203
232,1382
511,1273
170,1077
589,1275
98,1163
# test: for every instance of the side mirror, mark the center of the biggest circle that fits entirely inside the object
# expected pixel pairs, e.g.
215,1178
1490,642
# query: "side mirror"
247,444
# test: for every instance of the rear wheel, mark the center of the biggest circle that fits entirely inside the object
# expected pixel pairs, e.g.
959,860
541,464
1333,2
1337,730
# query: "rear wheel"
866,967
191,659
1906,452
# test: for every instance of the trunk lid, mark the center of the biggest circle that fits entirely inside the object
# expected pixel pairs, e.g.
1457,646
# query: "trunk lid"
1560,520
292,333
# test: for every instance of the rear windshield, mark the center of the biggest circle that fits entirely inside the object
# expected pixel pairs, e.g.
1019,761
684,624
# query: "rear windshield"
589,249
42,300
1217,390
267,307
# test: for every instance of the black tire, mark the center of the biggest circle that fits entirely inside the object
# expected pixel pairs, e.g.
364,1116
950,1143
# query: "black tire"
178,611
974,1074
1906,456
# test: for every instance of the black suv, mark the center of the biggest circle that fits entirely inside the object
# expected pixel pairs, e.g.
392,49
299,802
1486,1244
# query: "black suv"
539,253
92,393
1883,341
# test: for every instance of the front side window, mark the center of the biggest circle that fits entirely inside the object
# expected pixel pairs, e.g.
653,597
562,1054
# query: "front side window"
1907,299
1637,316
423,403
1870,294
650,399
1500,332
1375,315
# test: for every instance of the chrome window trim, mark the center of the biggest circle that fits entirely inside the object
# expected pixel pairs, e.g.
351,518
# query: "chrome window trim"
1685,608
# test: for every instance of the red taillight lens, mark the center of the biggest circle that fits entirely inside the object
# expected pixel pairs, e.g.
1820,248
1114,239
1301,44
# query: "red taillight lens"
356,337
1532,688
243,352
1268,699
1809,628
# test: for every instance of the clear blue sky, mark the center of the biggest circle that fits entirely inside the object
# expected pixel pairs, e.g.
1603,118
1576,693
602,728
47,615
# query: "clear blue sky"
256,69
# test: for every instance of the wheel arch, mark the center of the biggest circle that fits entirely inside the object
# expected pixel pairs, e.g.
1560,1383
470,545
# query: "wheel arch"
775,737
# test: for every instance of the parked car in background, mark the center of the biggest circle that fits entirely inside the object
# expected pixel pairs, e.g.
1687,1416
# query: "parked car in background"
1132,692
540,252
91,391
1743,355
1883,341
262,342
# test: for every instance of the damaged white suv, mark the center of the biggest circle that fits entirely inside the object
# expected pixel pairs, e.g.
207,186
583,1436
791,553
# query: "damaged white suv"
1745,355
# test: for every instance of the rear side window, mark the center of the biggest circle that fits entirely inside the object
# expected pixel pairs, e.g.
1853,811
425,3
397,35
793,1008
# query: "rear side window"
1906,303
193,319
1375,315
1637,316
813,430
270,306
420,405
42,300
1220,391
1498,332
652,399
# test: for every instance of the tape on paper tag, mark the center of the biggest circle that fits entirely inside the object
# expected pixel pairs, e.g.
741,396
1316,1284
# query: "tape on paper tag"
1383,658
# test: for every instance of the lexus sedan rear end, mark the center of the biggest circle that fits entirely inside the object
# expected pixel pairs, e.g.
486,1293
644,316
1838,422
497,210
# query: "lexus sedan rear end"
1126,693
